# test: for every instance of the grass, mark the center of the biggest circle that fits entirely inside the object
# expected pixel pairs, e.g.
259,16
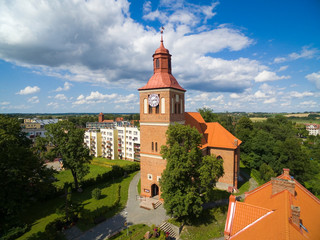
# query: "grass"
109,163
244,187
135,232
258,119
209,225
139,186
66,176
40,214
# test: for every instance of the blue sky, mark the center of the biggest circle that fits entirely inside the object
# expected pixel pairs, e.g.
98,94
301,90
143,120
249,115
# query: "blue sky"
92,56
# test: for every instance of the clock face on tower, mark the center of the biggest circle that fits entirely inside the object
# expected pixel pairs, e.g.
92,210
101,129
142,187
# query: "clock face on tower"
153,100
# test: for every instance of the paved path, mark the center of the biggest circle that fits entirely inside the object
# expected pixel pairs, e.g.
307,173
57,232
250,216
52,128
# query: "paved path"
132,214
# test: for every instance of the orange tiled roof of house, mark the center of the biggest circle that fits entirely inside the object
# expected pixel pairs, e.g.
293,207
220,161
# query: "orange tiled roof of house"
110,121
214,135
291,212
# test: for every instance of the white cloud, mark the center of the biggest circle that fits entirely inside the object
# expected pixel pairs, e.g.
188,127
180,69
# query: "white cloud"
219,98
4,103
305,53
280,59
271,100
283,68
61,97
131,98
309,103
265,76
260,94
28,90
53,105
65,87
34,99
234,95
97,97
315,78
100,40
300,94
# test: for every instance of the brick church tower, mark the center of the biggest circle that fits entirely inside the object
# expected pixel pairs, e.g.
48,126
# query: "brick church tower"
161,104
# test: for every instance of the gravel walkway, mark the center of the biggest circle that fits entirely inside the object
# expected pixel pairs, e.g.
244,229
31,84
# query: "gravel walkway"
132,214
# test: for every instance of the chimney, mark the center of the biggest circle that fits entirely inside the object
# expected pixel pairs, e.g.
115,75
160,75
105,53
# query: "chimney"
279,185
295,215
286,172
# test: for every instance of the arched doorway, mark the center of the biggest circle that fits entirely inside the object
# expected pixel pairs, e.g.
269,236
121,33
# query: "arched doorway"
154,190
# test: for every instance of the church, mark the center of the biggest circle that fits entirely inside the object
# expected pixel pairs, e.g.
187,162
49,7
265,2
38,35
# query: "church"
162,103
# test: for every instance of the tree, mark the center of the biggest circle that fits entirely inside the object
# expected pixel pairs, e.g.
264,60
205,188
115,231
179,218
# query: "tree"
22,173
67,143
188,175
208,115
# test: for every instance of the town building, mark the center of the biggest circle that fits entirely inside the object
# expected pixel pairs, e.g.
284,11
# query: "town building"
107,123
280,209
162,103
113,139
36,127
313,128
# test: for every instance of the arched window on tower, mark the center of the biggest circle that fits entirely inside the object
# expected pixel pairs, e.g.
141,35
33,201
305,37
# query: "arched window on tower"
169,65
163,105
145,106
219,157
156,147
152,146
172,105
157,63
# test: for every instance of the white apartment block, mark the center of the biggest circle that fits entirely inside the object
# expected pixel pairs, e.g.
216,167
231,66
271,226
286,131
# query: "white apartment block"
109,144
114,143
313,129
92,140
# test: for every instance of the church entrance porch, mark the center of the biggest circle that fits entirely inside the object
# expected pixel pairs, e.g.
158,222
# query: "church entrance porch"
154,190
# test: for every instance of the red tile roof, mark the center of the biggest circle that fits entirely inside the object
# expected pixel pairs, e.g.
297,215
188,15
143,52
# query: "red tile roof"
214,135
162,80
277,223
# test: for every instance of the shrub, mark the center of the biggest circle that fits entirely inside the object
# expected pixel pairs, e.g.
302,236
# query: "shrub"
15,232
117,199
96,193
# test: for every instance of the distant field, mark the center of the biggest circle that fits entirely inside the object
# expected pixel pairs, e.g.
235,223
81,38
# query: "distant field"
258,119
305,121
297,115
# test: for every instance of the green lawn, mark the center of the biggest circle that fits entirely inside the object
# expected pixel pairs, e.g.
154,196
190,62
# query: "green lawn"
134,232
40,214
208,226
139,186
66,176
108,163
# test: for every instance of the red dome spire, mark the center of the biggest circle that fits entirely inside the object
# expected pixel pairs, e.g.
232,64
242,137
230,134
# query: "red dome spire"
162,77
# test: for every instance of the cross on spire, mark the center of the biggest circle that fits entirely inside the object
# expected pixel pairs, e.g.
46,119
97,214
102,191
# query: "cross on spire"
162,28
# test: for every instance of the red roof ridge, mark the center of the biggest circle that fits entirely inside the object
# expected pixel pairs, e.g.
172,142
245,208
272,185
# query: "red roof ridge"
257,189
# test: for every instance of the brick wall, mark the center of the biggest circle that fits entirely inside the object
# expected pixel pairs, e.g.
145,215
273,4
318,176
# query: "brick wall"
279,185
